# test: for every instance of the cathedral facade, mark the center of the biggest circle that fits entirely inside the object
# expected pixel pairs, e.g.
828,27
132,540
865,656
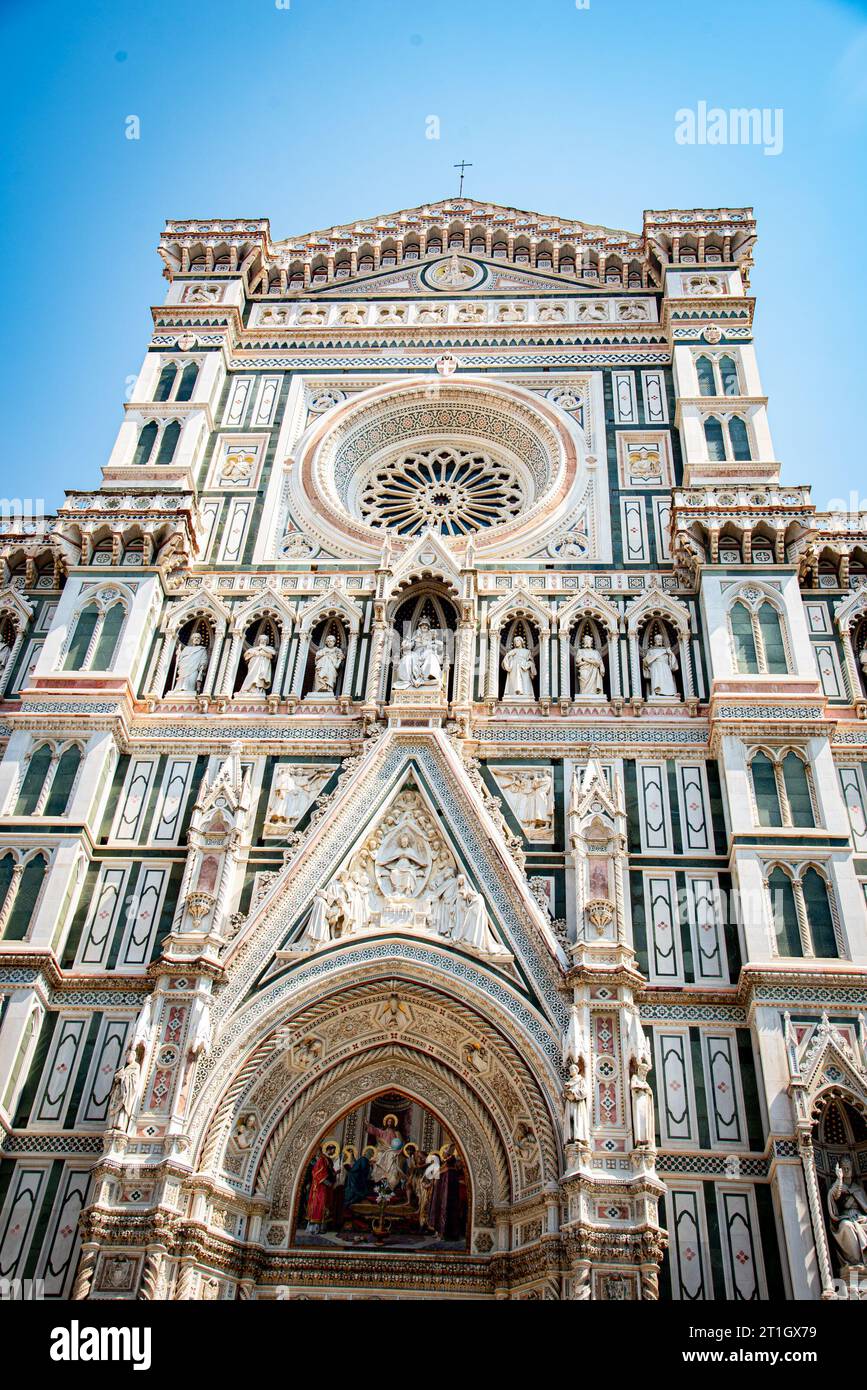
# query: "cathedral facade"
433,805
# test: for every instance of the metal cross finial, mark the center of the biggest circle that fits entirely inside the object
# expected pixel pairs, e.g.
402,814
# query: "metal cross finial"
462,166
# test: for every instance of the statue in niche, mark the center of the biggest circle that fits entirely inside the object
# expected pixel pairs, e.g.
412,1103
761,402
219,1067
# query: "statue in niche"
5,653
190,665
658,665
520,668
259,659
642,1103
124,1092
847,1208
403,673
531,797
590,668
327,663
473,928
575,1107
421,660
402,864
863,660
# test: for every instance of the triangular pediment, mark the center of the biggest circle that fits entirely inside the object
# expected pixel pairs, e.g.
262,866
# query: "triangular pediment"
405,825
427,557
424,278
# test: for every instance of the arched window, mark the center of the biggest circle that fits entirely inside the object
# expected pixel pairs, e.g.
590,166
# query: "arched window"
63,781
757,638
820,919
740,439
34,780
771,639
146,441
781,787
168,443
768,810
188,381
784,912
746,656
796,788
82,636
706,377
729,377
95,635
26,898
166,382
113,621
713,433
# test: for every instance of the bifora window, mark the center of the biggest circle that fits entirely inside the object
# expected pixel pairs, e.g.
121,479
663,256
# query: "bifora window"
447,489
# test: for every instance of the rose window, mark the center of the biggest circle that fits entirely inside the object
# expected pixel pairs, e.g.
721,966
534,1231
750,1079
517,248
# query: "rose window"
447,489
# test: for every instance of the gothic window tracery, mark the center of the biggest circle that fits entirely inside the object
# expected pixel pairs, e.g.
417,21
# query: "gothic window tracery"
157,443
96,633
49,778
759,641
22,880
727,438
782,789
803,911
448,489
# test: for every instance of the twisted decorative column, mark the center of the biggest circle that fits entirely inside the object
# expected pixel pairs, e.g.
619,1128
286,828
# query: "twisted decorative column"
86,1270
186,1280
820,1239
151,1273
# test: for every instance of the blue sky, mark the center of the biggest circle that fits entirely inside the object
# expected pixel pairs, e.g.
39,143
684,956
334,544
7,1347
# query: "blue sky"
315,114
